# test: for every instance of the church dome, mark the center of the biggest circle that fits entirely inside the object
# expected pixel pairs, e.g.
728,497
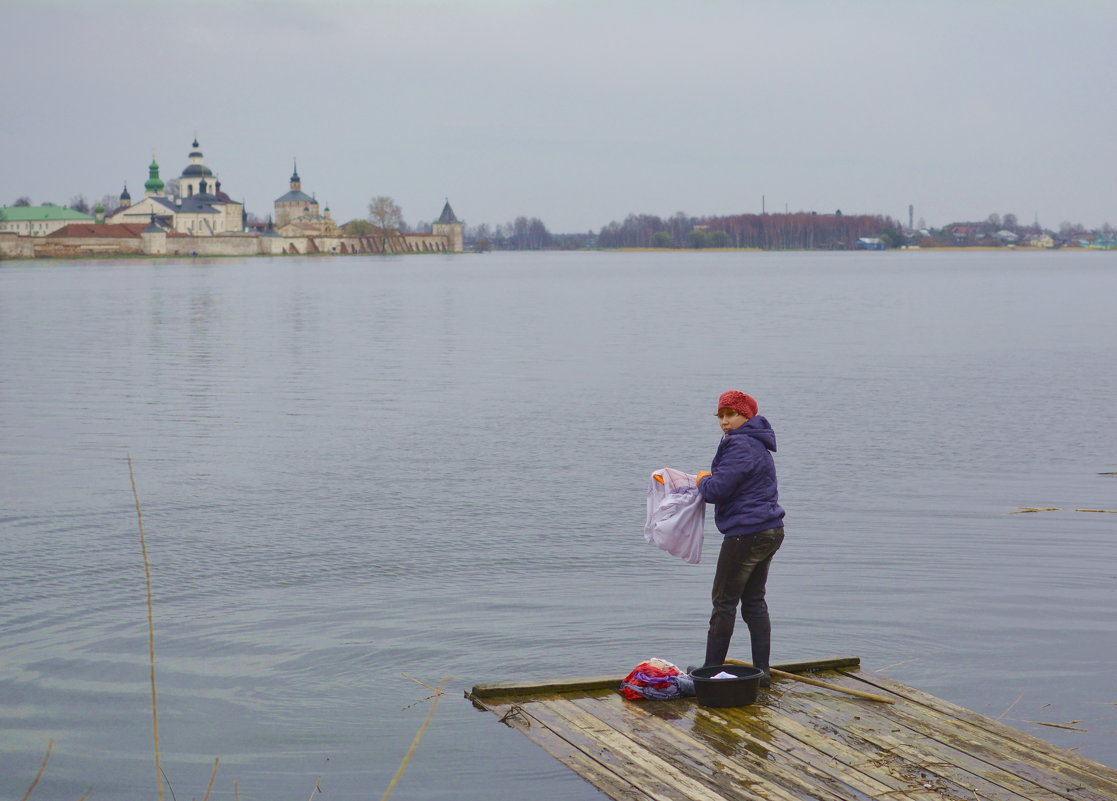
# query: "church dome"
193,170
154,183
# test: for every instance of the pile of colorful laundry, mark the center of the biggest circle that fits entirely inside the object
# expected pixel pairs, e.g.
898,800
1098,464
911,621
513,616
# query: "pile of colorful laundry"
657,680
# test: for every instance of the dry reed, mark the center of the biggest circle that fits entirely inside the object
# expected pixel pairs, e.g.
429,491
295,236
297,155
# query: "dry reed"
317,788
212,776
150,634
418,736
159,774
42,767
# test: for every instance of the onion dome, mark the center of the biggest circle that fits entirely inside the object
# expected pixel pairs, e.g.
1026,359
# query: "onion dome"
124,195
153,184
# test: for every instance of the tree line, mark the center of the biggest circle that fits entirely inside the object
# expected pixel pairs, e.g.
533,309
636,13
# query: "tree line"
762,231
787,231
797,231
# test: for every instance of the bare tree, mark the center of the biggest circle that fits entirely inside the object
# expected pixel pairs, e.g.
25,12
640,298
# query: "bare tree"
22,201
79,203
385,215
111,203
478,232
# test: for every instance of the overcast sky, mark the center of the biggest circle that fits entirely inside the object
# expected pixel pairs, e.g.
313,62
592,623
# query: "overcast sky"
578,113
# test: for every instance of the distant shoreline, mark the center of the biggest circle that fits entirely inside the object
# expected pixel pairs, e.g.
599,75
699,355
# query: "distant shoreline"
945,248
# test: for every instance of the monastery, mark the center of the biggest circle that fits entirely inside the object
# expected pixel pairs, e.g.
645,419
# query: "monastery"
194,216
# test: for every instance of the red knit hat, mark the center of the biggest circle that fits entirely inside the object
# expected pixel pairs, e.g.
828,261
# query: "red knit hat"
738,402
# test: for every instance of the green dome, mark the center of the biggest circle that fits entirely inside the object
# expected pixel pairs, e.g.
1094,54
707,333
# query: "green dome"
153,183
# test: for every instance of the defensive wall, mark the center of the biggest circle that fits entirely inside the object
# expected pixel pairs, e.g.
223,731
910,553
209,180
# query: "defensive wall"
13,246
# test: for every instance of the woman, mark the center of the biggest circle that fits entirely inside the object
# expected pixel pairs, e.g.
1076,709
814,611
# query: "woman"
742,487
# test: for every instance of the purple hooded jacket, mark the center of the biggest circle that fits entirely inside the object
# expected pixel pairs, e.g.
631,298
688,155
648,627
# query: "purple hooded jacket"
742,486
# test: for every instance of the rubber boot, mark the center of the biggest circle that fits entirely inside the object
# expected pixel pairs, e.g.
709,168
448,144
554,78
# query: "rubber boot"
761,637
716,650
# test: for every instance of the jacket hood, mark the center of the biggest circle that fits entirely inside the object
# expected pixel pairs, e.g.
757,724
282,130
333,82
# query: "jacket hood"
759,429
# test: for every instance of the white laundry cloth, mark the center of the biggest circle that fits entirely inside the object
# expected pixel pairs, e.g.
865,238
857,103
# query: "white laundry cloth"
676,514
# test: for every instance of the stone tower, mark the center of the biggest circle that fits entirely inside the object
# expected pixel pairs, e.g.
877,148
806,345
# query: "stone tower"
447,225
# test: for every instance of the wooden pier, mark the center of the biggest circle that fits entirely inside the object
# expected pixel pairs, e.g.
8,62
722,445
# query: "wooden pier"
798,742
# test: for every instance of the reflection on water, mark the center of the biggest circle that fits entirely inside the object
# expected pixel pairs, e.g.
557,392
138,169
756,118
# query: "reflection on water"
355,468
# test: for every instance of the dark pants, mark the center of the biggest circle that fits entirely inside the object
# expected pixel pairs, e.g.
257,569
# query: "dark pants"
741,577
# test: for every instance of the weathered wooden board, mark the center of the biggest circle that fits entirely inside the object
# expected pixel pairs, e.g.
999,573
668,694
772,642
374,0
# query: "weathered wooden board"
797,743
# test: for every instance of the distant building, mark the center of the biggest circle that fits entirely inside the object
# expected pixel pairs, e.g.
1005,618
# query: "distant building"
38,220
447,225
870,243
201,209
296,205
194,217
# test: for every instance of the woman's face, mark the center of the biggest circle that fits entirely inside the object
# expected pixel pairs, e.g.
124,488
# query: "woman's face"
730,420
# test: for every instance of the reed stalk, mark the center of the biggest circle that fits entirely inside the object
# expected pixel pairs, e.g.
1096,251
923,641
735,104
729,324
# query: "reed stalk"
42,767
212,776
150,634
418,736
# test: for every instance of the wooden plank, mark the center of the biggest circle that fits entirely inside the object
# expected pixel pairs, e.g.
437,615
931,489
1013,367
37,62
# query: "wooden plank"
592,770
534,688
733,773
1029,747
647,771
696,765
752,749
906,772
963,764
875,762
602,682
795,744
899,750
827,663
783,674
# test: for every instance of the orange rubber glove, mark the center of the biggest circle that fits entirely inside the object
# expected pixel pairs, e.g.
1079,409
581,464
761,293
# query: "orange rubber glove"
701,475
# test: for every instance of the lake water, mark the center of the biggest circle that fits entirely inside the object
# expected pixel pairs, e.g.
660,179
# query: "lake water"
354,468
